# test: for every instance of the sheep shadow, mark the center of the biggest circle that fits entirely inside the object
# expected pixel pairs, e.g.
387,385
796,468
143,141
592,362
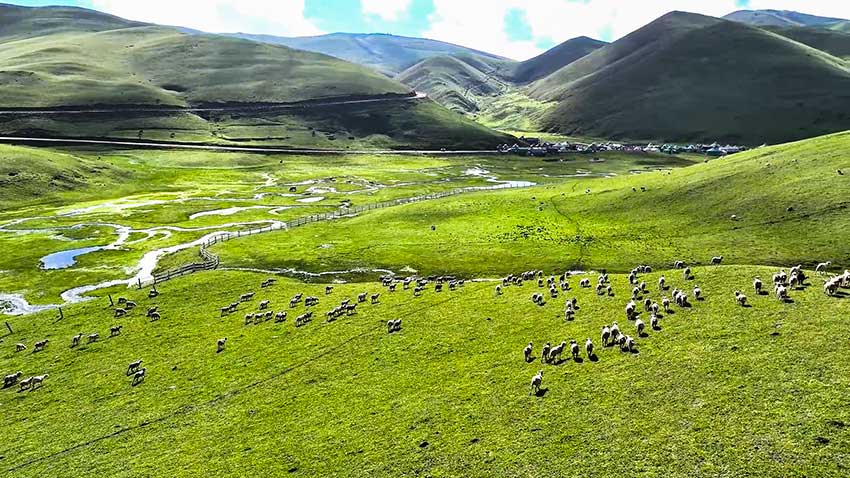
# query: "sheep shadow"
788,300
841,295
669,312
136,383
763,292
701,299
634,351
541,392
531,360
578,360
643,335
593,358
658,328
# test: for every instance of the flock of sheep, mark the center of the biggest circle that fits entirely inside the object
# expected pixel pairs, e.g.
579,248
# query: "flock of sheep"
611,334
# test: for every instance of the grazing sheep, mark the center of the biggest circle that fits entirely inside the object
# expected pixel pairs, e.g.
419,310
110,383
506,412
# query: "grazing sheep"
219,345
822,267
574,349
151,310
630,344
609,291
25,383
639,325
830,287
665,302
527,351
716,260
40,345
498,290
362,297
375,297
697,292
139,376
120,312
653,322
246,297
536,381
115,330
264,305
329,289
615,331
155,316
757,285
584,283
687,273
350,309
20,347
153,293
280,317
630,310
682,299
556,352
647,305
679,264
392,287
129,305
393,326
133,367
122,300
661,281
654,308
544,354
12,379
781,292
93,338
740,298
588,347
37,380
606,334
249,318
75,340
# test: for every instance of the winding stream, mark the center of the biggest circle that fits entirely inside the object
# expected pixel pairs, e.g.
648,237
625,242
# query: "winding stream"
16,304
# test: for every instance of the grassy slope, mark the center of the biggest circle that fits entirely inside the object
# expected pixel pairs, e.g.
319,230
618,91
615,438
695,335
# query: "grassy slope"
713,393
669,80
834,42
684,214
555,59
389,54
18,22
781,18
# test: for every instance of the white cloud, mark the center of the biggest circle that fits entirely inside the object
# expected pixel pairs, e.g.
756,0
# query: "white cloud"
389,10
480,26
280,17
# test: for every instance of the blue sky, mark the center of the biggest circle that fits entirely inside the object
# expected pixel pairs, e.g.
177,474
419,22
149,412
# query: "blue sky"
516,29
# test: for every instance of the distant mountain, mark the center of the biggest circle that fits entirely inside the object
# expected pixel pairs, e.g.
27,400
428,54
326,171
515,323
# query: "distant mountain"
689,77
834,42
389,54
77,57
554,59
466,82
782,18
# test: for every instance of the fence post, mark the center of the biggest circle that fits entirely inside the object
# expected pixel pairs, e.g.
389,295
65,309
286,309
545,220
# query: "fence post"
111,302
61,314
10,328
140,282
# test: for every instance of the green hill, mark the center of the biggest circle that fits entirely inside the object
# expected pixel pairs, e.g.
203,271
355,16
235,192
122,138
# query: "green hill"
671,80
834,42
554,59
112,63
389,54
782,18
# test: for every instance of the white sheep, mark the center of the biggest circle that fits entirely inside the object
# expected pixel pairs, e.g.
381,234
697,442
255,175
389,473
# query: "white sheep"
639,325
556,352
115,330
588,347
687,273
544,354
606,334
93,338
630,344
661,281
822,267
653,322
574,350
264,305
630,310
679,264
716,260
139,376
12,379
665,302
329,289
740,298
25,383
536,381
527,351
781,292
20,347
697,292
220,343
375,298
75,340
757,285
40,345
498,290
37,380
615,331
133,367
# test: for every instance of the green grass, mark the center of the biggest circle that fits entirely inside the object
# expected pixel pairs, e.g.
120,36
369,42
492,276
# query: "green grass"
720,390
683,214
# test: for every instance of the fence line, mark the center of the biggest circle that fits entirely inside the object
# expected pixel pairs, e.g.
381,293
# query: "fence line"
212,261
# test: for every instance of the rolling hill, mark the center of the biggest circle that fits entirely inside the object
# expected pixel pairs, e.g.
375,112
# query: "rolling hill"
389,54
671,80
123,65
834,42
554,59
782,18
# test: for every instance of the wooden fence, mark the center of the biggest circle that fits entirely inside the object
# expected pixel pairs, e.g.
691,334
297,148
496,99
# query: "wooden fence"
211,261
